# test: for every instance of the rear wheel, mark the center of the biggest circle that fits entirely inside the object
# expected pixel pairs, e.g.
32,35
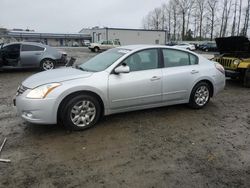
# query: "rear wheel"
81,112
200,95
47,64
96,49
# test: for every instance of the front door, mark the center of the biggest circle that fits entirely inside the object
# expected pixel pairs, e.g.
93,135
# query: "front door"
10,55
141,86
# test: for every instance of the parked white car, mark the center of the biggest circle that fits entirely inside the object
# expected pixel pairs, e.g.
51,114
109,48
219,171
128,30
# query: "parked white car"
104,45
185,46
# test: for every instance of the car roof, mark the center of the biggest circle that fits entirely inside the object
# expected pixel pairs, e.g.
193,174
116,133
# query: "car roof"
141,46
145,46
134,48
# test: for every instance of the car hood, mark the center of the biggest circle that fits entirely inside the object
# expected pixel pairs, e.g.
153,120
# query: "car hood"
52,76
233,44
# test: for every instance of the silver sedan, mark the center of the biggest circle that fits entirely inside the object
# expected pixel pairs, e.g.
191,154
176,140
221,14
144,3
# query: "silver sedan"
30,55
119,80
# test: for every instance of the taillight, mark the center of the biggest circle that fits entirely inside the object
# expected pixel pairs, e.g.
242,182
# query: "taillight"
219,67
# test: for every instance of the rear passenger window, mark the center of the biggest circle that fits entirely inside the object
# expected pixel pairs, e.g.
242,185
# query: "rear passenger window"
175,58
26,47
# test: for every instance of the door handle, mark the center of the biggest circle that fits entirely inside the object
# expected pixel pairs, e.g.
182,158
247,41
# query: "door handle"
154,78
194,72
37,53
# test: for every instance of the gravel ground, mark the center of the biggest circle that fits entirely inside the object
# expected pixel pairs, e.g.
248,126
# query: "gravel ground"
164,147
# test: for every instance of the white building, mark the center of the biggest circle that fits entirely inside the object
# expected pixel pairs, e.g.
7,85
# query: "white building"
52,39
127,36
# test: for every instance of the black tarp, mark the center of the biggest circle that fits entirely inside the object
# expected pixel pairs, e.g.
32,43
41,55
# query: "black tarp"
233,45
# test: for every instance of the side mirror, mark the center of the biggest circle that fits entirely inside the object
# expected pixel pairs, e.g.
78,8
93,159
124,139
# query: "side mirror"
122,69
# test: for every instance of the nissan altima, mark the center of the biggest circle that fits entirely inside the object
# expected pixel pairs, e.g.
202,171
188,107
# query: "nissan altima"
122,79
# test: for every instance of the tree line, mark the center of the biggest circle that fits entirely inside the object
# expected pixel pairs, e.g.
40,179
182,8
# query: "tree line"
200,19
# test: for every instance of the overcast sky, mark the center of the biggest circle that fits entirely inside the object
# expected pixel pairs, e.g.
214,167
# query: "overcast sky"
73,15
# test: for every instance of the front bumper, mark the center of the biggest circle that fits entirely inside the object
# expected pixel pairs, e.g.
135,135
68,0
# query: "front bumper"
38,111
231,73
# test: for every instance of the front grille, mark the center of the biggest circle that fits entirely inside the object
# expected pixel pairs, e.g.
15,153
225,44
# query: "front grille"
225,62
20,90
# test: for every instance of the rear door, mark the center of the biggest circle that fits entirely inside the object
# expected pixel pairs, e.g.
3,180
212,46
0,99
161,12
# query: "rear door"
180,71
31,55
141,86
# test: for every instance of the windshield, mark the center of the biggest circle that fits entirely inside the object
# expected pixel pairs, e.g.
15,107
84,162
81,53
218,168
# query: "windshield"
103,60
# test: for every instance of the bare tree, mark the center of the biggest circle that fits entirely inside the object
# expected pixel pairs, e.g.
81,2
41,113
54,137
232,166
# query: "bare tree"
153,20
200,8
225,17
212,4
196,18
189,14
234,19
201,18
239,19
173,11
183,6
246,22
164,17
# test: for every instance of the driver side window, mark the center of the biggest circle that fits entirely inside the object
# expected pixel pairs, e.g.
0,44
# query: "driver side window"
12,48
143,60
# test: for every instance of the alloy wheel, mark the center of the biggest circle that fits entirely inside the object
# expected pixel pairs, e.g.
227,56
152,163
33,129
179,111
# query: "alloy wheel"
48,65
201,96
83,113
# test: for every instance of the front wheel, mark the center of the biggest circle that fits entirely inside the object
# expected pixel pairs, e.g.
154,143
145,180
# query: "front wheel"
200,95
81,112
47,64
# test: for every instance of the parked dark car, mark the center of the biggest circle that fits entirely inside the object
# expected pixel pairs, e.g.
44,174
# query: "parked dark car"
30,55
202,45
171,43
209,47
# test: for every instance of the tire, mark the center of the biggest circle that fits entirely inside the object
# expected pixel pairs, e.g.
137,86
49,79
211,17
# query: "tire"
96,49
233,77
247,78
80,112
47,64
200,95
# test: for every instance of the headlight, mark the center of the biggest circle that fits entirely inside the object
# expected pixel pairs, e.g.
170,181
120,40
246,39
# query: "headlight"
41,92
219,67
236,62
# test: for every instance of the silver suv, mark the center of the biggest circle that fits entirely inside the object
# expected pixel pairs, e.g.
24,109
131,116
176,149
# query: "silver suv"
104,45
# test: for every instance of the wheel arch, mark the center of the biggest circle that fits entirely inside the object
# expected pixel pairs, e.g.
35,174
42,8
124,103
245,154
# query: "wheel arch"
208,82
67,97
49,58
